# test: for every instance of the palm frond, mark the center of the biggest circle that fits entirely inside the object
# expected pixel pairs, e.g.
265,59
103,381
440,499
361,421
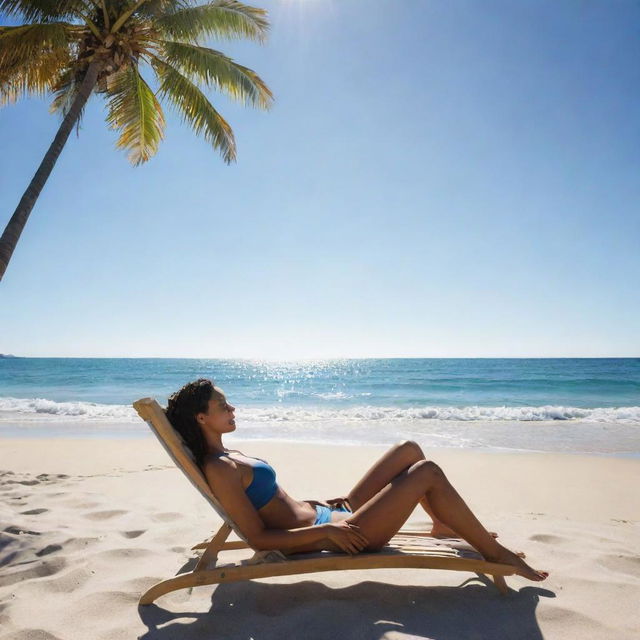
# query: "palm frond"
215,69
60,38
65,90
134,110
32,57
28,41
35,77
220,18
195,109
43,10
155,8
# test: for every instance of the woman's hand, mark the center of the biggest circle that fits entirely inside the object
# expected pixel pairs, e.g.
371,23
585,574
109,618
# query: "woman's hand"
346,535
313,503
342,501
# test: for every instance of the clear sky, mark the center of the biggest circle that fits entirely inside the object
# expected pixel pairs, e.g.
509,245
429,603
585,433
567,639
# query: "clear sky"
436,178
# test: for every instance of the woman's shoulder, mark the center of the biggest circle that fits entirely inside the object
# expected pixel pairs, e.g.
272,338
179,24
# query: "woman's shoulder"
217,464
222,473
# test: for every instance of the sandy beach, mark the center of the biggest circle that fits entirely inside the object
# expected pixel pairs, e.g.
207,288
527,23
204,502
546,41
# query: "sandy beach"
319,229
89,524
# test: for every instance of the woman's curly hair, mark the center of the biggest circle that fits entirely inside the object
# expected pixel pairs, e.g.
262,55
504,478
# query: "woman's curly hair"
181,411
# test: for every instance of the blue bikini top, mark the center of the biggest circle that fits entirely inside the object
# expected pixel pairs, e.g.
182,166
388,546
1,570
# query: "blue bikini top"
263,486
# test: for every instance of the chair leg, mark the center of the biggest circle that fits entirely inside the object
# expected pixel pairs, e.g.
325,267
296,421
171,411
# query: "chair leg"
501,584
210,554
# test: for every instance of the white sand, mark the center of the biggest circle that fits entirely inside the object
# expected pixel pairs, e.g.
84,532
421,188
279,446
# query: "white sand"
88,525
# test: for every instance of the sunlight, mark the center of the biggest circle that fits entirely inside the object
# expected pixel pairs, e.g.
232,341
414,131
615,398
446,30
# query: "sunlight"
301,16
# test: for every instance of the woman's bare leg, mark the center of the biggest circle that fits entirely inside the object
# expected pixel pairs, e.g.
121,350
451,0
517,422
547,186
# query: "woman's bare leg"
438,528
396,460
384,514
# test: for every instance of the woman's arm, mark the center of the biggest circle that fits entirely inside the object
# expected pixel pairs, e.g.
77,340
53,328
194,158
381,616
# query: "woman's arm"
224,476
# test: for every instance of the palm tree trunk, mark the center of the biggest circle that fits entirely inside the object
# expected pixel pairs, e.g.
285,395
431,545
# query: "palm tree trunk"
14,228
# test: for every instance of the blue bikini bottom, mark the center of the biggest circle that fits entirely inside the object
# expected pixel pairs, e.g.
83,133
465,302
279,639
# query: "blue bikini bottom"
323,514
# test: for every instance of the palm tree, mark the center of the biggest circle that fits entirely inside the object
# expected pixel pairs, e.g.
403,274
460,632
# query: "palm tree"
73,48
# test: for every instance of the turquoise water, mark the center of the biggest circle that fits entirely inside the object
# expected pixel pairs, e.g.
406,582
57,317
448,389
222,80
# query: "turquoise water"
370,400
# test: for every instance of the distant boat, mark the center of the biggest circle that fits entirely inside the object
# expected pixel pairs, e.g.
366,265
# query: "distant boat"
7,355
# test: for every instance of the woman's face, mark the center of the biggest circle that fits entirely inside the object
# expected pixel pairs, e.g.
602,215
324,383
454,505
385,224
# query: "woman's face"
220,415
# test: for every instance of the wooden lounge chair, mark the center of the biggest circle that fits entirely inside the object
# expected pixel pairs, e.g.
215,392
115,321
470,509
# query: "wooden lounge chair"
407,549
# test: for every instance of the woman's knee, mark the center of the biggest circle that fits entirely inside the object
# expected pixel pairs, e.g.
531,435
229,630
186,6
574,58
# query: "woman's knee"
427,469
412,448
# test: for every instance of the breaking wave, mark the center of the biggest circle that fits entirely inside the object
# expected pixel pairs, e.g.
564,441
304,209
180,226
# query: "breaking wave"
31,409
39,408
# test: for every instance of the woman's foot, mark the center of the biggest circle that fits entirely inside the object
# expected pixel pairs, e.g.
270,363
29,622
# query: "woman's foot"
504,556
442,531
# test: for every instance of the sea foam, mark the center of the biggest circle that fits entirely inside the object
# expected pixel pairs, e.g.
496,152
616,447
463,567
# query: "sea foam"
41,408
31,409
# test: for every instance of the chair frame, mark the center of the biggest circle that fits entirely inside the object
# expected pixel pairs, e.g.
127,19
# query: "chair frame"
407,549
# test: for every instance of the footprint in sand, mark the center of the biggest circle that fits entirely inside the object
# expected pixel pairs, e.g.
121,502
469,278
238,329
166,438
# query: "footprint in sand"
75,543
621,563
50,548
548,538
133,534
31,634
19,531
39,569
104,515
64,582
116,554
51,477
87,504
43,477
33,512
167,516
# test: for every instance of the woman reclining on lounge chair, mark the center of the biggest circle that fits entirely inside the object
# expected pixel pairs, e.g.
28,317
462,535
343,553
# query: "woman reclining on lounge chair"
363,520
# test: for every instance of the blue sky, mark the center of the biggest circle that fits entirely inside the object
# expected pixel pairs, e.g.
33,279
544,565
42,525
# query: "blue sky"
436,178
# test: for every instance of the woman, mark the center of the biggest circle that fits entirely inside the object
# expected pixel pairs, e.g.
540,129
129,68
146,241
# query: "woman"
364,520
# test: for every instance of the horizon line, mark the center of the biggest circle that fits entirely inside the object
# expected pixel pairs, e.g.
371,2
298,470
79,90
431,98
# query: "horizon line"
296,359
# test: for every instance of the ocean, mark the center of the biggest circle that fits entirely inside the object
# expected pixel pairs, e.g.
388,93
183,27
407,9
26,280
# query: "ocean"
580,405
